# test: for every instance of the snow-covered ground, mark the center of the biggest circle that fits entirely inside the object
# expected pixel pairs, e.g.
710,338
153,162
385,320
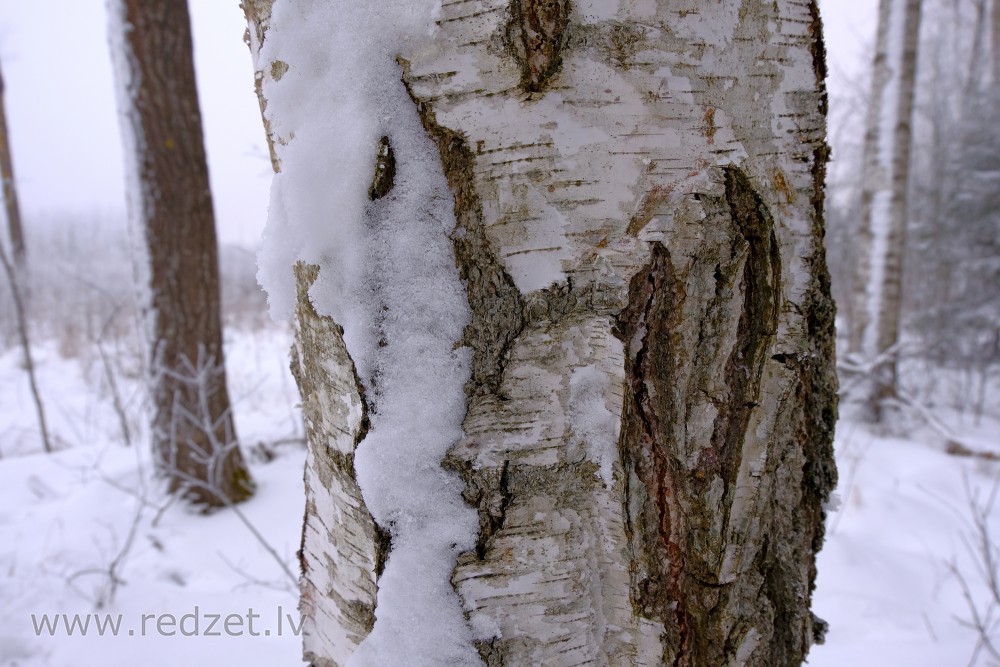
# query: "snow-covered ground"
887,580
66,519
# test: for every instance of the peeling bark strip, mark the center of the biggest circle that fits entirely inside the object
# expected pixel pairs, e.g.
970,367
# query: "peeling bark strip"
535,36
343,550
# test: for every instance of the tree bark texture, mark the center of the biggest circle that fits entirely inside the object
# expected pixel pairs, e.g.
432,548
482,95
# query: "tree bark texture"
194,438
11,209
343,549
648,437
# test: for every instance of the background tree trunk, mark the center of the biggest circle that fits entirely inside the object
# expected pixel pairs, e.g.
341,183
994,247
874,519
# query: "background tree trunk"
878,278
194,438
888,327
876,180
638,190
11,209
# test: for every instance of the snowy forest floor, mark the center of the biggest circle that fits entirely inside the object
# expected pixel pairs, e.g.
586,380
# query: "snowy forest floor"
86,531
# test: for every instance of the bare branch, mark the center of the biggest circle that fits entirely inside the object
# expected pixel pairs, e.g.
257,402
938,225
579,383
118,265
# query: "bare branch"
29,363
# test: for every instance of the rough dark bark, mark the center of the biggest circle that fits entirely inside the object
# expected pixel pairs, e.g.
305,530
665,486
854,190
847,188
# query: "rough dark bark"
686,579
535,36
194,437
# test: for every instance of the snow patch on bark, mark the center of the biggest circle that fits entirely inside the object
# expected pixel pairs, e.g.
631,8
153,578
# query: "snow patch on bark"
388,276
592,420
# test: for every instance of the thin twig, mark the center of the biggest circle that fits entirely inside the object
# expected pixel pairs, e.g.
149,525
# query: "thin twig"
199,375
29,363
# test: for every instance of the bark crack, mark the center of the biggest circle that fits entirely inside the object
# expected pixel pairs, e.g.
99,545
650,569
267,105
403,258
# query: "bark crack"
757,326
489,491
497,305
655,298
681,509
651,428
535,36
385,170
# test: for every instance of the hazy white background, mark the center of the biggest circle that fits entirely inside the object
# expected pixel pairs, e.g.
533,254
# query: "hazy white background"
63,121
64,125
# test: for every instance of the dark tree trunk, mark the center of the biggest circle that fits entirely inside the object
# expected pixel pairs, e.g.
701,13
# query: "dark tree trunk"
9,191
194,438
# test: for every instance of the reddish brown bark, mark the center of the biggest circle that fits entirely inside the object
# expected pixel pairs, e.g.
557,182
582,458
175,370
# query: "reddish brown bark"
194,438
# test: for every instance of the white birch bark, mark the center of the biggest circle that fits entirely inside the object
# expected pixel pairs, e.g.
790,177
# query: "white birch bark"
884,213
638,196
876,180
343,550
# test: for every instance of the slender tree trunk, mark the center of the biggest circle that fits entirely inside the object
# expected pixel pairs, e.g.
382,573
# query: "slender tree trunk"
29,361
194,438
11,209
638,190
890,314
876,180
878,276
979,61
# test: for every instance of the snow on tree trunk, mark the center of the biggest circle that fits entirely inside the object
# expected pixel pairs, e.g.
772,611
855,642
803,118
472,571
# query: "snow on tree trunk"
637,192
882,232
194,438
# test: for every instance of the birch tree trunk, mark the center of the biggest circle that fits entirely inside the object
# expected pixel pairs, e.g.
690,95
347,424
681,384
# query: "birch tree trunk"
638,189
876,179
881,244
